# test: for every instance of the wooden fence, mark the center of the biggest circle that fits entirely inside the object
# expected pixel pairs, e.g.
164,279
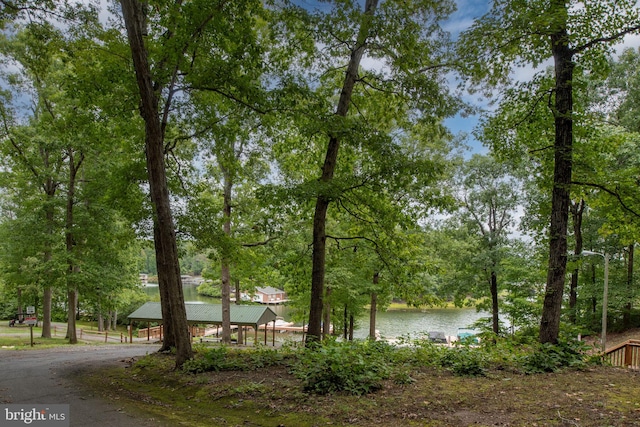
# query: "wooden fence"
157,331
626,354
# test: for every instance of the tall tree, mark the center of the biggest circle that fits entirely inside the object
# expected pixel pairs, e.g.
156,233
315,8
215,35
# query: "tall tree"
328,170
169,281
489,200
339,114
37,150
66,114
525,33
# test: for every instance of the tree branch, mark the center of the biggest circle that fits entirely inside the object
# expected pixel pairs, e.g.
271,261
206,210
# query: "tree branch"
353,238
231,97
610,38
263,243
540,149
610,192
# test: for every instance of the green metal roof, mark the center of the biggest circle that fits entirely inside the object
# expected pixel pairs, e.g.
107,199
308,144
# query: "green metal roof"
209,313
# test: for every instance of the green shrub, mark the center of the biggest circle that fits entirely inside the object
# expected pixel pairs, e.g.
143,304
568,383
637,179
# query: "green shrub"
353,367
403,377
464,361
209,359
262,357
213,359
426,353
551,358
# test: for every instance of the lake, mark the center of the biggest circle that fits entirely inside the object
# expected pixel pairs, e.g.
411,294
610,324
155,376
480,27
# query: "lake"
391,324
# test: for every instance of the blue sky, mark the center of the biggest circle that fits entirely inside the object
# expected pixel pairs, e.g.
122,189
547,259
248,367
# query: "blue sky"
460,20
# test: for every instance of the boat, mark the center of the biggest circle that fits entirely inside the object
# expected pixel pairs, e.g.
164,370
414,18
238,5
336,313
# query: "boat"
437,337
468,336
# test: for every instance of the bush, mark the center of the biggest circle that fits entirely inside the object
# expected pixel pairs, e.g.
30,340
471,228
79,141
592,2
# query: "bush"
214,359
551,358
353,367
420,352
464,361
224,359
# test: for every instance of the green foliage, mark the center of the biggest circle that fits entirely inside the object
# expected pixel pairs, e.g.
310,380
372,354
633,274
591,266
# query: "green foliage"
464,361
210,289
361,367
353,367
214,359
130,300
551,358
225,359
420,352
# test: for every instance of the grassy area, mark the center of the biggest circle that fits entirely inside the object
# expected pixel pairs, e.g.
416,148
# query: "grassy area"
19,337
254,393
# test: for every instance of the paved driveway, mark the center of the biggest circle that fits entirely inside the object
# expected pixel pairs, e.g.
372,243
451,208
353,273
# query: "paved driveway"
43,376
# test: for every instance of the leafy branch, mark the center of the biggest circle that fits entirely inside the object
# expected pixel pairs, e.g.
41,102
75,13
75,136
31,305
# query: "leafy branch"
613,193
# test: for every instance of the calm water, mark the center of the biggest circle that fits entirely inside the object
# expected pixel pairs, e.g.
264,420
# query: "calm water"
391,324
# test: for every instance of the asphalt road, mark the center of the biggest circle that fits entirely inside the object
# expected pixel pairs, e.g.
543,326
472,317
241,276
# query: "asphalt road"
45,377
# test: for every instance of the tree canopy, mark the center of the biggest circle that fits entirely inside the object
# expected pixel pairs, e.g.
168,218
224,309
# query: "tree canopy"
304,146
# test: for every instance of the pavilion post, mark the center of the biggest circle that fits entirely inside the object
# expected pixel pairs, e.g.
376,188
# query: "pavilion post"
255,337
274,334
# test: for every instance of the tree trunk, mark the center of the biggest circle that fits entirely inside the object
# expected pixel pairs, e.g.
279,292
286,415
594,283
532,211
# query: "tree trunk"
169,281
113,317
351,326
225,270
345,329
594,298
626,313
374,307
576,214
495,320
328,169
237,286
72,300
326,322
47,295
70,243
100,320
226,277
168,337
563,109
19,300
372,316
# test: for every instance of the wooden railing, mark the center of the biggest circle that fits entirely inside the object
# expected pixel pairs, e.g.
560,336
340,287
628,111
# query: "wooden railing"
626,354
157,331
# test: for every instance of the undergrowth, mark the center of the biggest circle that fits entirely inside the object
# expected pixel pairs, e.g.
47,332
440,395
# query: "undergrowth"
361,367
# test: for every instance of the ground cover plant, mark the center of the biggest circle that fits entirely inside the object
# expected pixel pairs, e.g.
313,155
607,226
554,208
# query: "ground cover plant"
366,383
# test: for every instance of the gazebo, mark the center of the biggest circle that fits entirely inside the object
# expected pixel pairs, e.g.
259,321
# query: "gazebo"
210,314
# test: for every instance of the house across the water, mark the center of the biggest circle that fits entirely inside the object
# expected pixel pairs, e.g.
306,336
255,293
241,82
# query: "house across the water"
266,295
